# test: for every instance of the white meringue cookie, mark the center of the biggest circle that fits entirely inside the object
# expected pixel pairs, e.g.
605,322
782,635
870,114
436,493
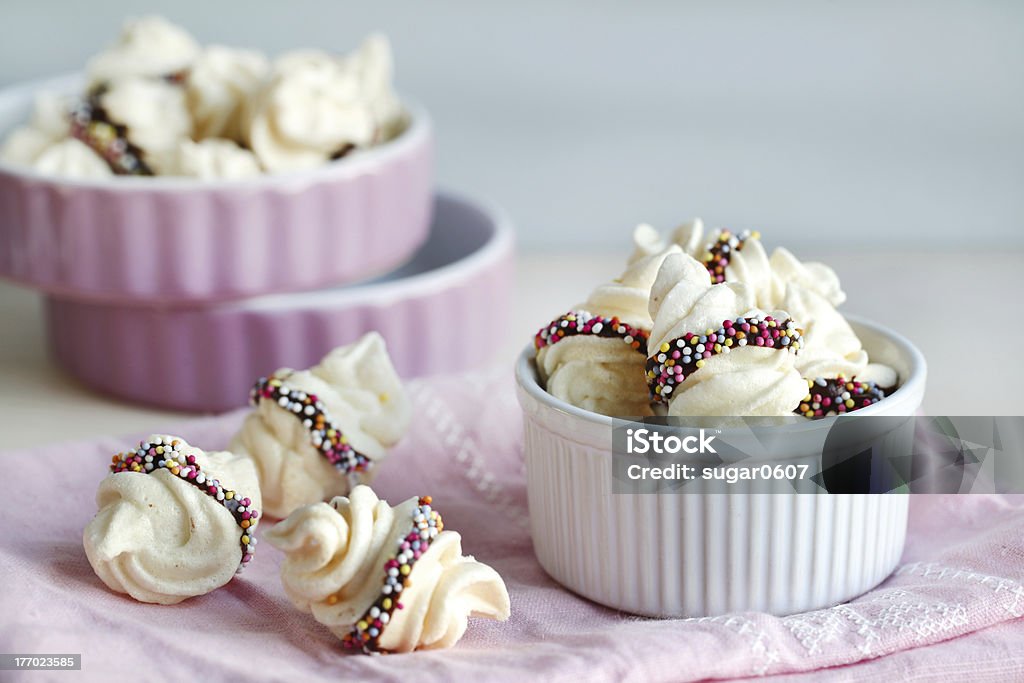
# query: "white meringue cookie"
334,568
884,376
160,539
150,47
751,266
72,158
212,158
50,123
690,236
154,113
360,392
647,241
747,381
317,104
24,144
51,114
626,297
221,83
375,65
831,349
605,374
814,276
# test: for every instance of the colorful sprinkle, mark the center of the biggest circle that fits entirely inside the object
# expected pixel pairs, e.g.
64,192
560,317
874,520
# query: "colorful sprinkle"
161,454
828,397
676,360
325,435
367,631
717,254
581,322
91,124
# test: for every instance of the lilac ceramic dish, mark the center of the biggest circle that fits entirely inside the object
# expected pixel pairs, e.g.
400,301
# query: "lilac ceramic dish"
436,313
145,239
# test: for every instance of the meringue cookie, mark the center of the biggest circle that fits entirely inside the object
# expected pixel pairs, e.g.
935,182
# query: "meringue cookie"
23,145
160,535
212,158
318,106
831,348
751,266
375,65
817,277
154,113
344,564
219,86
150,47
604,374
360,394
50,123
688,236
72,158
748,380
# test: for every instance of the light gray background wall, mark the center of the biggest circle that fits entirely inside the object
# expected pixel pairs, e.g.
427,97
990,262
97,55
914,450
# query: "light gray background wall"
866,124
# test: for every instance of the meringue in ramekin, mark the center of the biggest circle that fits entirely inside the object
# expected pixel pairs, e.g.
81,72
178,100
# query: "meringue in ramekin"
698,554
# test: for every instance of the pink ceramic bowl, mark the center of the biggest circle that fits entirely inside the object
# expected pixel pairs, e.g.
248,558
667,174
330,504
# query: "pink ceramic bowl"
437,314
135,239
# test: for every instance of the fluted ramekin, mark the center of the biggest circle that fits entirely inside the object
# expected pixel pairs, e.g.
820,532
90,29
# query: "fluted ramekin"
693,554
164,239
437,314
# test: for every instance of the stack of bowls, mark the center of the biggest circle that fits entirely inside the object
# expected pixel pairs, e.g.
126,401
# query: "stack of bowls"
179,293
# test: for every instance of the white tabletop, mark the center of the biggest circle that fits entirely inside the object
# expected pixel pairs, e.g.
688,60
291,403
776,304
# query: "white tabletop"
962,311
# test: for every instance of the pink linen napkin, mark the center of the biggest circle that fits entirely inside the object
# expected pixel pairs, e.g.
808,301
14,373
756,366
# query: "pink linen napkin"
953,608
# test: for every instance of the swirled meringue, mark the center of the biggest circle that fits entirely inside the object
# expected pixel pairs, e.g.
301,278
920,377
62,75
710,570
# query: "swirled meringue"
831,348
318,106
603,374
688,236
220,84
150,47
154,113
50,123
337,557
212,158
160,539
747,381
72,158
750,266
359,390
817,277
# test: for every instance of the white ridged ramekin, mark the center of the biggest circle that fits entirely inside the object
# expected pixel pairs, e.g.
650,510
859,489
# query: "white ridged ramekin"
693,554
176,240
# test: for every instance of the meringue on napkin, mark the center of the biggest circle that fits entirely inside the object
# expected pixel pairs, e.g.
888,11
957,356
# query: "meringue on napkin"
358,392
162,539
382,578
